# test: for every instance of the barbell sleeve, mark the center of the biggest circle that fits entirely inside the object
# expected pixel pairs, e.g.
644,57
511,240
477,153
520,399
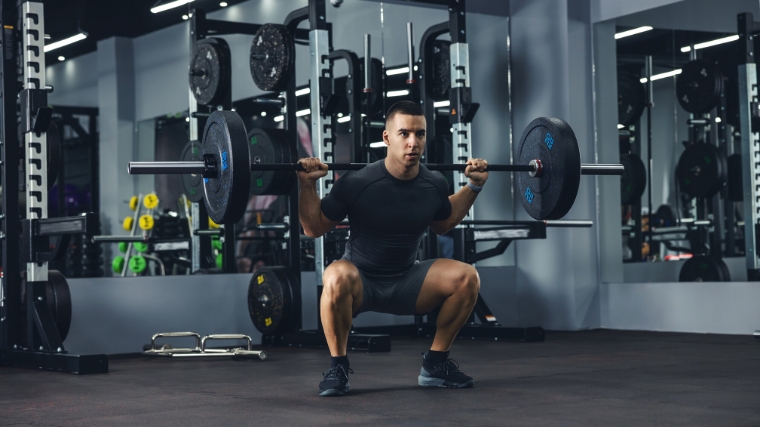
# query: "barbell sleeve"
602,169
156,168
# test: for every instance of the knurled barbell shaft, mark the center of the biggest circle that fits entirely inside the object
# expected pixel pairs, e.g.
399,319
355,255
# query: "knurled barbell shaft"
198,167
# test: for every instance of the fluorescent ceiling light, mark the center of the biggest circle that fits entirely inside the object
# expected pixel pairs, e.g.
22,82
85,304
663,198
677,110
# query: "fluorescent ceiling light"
170,5
185,17
380,144
223,4
395,93
440,104
302,113
397,71
65,42
662,76
263,114
279,118
344,119
304,91
633,32
711,43
621,126
61,58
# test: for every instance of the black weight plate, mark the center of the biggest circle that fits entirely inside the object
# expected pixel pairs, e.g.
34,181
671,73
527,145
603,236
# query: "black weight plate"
552,194
270,299
375,97
664,216
701,170
209,71
634,179
632,98
703,268
734,178
193,183
226,195
272,57
699,86
54,153
441,70
270,146
58,298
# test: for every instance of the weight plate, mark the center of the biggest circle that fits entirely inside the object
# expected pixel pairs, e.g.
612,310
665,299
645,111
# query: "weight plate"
54,153
58,298
210,71
224,138
150,201
192,183
441,70
271,303
128,223
664,216
551,194
701,170
634,179
699,86
146,222
272,57
734,178
122,247
375,97
140,247
270,146
138,264
219,260
117,265
632,98
704,268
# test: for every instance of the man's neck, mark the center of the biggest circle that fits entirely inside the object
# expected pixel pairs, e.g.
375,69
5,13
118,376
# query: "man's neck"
400,171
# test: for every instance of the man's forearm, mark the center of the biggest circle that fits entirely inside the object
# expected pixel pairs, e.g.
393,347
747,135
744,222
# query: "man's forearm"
309,207
461,202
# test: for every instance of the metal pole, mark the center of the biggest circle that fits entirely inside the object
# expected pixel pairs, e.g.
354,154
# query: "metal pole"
650,105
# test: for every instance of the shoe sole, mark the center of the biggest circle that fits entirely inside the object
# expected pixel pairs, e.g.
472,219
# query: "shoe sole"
333,392
439,382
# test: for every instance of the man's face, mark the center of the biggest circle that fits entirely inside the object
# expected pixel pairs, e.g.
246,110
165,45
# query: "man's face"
405,137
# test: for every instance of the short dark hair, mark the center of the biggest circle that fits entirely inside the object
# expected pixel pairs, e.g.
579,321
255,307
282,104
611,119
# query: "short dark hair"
403,107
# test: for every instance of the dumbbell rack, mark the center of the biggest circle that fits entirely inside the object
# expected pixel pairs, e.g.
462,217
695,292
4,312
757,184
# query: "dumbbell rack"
26,240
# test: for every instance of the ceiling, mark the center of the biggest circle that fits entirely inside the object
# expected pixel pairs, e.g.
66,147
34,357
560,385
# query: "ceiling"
102,19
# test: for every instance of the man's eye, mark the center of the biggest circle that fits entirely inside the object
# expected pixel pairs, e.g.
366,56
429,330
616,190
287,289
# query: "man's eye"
404,134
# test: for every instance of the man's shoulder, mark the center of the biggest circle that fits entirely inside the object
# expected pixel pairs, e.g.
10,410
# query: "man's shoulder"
362,177
435,177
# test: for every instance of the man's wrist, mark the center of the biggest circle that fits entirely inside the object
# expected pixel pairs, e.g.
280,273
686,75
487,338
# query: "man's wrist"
474,187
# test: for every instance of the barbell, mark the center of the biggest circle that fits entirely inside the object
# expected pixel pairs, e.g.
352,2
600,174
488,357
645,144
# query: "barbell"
548,152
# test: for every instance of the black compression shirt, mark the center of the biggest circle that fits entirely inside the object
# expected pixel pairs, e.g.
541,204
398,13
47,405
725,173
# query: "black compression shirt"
388,216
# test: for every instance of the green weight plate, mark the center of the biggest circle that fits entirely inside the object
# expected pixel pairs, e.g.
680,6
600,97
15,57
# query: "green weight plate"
441,70
701,170
54,153
137,264
704,268
274,299
123,247
375,97
117,265
270,146
633,182
551,194
219,260
216,244
632,98
210,71
699,86
140,247
272,57
192,183
224,138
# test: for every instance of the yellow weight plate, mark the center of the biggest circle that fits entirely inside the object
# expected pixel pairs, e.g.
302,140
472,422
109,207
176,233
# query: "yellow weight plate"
128,223
146,222
151,201
133,201
212,224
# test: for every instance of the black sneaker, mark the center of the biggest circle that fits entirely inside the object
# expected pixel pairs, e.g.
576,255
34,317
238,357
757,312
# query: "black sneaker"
445,374
335,381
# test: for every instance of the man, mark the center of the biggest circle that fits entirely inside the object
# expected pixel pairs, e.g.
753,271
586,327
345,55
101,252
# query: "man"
390,204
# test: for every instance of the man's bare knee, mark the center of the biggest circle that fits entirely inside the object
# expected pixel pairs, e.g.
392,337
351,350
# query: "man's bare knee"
468,281
338,280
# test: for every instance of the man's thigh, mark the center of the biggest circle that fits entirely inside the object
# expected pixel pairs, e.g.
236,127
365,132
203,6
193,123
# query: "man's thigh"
345,272
442,280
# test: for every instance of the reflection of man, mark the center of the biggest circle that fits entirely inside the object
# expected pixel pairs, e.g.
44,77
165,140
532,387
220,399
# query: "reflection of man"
252,255
390,204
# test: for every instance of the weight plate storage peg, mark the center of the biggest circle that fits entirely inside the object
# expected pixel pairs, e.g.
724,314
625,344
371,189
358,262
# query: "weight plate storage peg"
192,183
376,96
272,57
270,146
699,86
226,192
210,71
704,268
270,299
551,193
701,170
633,182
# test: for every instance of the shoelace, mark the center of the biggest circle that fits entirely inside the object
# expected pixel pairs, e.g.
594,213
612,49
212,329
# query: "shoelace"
450,366
336,372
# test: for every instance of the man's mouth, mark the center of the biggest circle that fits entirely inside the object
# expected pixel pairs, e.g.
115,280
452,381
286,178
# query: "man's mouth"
413,155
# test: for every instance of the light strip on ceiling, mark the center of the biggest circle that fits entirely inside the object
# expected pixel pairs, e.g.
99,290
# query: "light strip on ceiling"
65,42
302,113
344,119
170,5
711,43
662,76
441,104
632,32
278,119
395,93
380,144
397,71
304,91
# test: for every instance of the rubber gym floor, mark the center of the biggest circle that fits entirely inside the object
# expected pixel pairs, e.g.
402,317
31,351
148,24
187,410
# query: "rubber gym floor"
592,378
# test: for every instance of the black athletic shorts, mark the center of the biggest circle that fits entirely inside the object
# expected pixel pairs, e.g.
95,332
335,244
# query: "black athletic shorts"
394,294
